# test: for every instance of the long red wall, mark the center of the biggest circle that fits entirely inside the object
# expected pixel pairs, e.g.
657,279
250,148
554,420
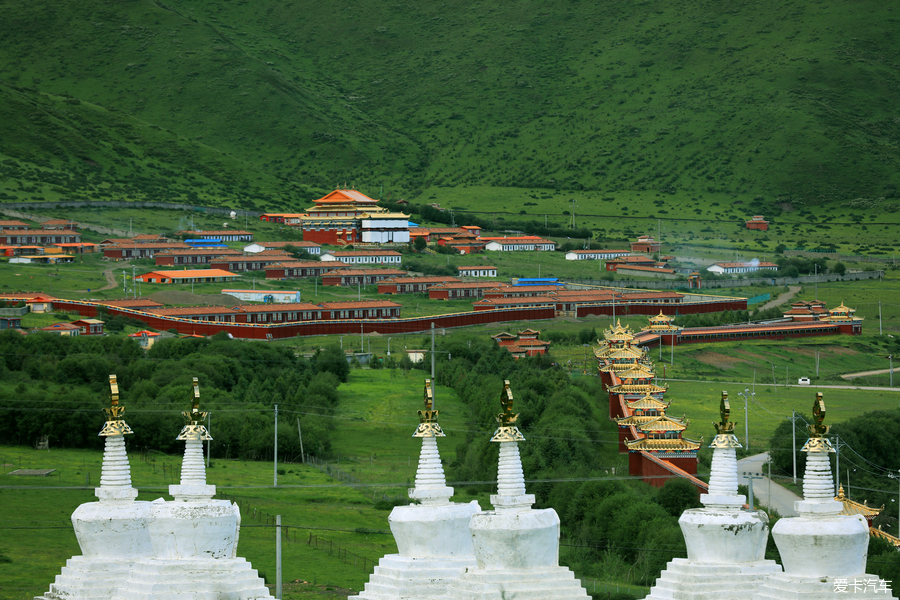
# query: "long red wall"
667,309
304,328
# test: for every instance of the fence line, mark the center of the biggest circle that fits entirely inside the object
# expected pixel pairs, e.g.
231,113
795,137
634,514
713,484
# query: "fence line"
289,534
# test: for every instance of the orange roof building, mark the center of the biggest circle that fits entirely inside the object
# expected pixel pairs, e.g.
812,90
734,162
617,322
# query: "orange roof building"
187,276
349,217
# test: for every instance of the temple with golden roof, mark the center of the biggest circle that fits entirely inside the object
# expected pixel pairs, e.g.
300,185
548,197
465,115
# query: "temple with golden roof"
652,438
349,217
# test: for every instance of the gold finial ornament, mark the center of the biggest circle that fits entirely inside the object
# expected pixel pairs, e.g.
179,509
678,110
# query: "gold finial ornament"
725,437
507,431
428,425
724,426
115,422
817,430
194,428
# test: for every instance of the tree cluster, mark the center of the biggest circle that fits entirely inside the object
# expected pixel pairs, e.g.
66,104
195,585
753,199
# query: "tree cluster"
58,386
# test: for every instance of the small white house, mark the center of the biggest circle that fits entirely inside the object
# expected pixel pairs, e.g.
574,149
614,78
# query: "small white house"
361,257
518,244
480,271
595,254
386,228
310,247
276,296
741,267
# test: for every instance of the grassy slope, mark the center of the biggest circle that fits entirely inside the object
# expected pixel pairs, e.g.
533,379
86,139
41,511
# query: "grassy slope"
786,100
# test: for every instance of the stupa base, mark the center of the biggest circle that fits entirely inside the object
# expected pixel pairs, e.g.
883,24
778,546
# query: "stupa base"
537,583
222,579
785,586
398,578
88,579
687,580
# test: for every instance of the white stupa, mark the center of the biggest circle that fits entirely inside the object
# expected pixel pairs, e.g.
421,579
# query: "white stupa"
112,533
726,545
516,547
823,551
194,537
433,536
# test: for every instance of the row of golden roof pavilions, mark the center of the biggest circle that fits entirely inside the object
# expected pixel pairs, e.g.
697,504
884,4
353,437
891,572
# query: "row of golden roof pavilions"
187,548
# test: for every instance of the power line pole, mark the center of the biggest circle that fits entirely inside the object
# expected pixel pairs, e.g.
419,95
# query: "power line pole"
750,477
794,418
837,470
432,366
275,480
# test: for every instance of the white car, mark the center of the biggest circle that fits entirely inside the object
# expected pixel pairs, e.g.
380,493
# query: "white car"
803,381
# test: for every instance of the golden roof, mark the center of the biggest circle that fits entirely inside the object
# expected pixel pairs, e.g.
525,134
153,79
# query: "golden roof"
637,371
665,423
619,333
851,507
636,420
661,322
841,313
883,535
625,352
636,388
647,402
672,444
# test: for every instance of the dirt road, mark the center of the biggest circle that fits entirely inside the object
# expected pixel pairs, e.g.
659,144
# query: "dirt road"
785,297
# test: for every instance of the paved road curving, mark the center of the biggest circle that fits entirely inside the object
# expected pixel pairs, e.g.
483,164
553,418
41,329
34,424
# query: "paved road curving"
782,498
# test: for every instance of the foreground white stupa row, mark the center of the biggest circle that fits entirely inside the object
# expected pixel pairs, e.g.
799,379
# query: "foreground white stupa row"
454,551
181,550
824,552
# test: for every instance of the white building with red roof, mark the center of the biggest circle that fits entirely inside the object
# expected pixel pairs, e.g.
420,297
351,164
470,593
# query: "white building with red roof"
741,267
363,257
518,243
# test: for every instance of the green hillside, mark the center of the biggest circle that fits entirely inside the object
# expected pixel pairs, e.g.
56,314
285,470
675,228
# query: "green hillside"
791,101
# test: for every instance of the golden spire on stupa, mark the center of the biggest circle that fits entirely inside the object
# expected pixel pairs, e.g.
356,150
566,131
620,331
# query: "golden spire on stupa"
507,431
194,428
725,437
115,422
817,430
428,425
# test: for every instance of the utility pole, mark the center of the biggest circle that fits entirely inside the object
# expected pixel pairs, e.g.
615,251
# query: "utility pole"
432,366
794,418
300,433
573,212
897,477
133,291
275,480
837,470
362,339
746,395
672,359
125,285
278,557
750,477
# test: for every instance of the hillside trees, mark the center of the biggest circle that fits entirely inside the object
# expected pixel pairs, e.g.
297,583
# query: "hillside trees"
59,385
